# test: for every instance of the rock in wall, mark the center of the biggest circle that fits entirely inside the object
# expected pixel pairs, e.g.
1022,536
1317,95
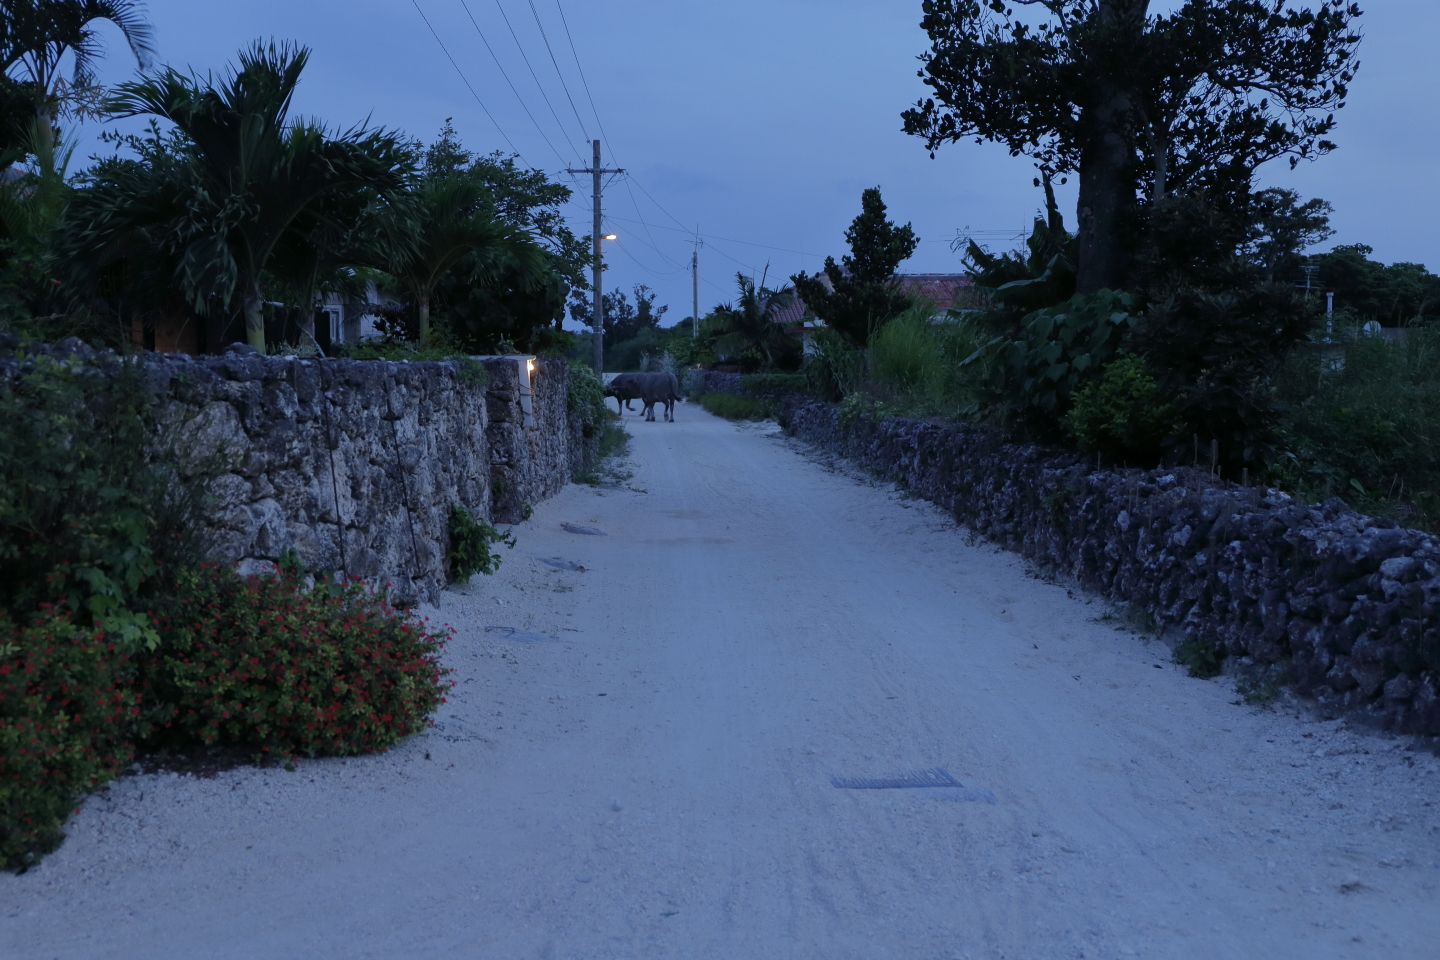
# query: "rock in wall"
1348,604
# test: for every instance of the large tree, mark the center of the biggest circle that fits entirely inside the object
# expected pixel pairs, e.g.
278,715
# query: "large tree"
862,294
1139,106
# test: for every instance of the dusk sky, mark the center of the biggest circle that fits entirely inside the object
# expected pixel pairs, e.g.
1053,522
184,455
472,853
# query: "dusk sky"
761,122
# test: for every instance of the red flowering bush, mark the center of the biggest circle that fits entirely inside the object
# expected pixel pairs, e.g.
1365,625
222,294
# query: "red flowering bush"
264,664
66,714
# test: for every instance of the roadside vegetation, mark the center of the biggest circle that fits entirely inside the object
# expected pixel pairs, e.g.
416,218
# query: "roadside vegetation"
229,218
1190,322
735,407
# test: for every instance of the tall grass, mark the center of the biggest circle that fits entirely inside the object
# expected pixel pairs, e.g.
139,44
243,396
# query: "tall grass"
915,360
734,407
1364,424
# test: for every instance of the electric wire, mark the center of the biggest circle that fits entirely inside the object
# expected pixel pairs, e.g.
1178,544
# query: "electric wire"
634,203
588,95
558,72
533,75
523,104
748,243
464,80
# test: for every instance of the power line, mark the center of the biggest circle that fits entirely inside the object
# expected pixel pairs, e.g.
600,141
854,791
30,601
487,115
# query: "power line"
590,96
523,105
533,75
657,274
657,203
464,80
748,243
634,203
563,85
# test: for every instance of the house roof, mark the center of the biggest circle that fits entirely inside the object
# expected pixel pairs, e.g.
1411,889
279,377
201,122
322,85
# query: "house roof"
791,314
945,290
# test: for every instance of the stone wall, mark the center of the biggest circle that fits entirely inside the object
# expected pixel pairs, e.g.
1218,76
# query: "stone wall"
1347,605
354,464
527,464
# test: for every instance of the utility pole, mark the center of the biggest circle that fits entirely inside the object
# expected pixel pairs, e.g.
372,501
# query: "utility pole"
597,315
695,286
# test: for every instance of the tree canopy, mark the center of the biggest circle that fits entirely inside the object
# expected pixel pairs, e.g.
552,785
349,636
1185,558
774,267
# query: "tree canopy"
623,320
1139,106
862,294
37,35
236,211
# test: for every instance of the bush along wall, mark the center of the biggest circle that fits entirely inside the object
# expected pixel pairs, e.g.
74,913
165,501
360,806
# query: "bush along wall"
770,386
1347,605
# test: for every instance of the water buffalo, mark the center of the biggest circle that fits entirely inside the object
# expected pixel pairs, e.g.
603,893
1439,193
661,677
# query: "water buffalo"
661,388
623,389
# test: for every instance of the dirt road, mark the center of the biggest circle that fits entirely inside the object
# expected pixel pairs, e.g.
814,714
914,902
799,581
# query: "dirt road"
640,760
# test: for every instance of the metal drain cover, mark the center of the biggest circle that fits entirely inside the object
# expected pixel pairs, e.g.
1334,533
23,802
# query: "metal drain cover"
933,777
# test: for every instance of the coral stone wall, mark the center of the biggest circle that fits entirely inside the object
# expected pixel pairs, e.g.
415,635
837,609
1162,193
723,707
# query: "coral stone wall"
527,464
353,464
1349,605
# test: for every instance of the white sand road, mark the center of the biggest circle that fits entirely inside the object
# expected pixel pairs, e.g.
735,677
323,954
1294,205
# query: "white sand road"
644,769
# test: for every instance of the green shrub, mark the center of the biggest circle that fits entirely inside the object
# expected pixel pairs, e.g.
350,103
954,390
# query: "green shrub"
66,717
1121,415
917,360
1215,353
585,398
263,664
85,513
734,407
1362,421
836,369
1200,657
441,347
774,384
470,540
1030,377
613,440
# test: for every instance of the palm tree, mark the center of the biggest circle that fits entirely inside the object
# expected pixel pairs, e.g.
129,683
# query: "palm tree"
254,177
33,200
36,35
750,322
444,221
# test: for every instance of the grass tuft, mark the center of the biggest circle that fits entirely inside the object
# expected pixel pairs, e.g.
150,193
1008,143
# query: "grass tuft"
733,407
